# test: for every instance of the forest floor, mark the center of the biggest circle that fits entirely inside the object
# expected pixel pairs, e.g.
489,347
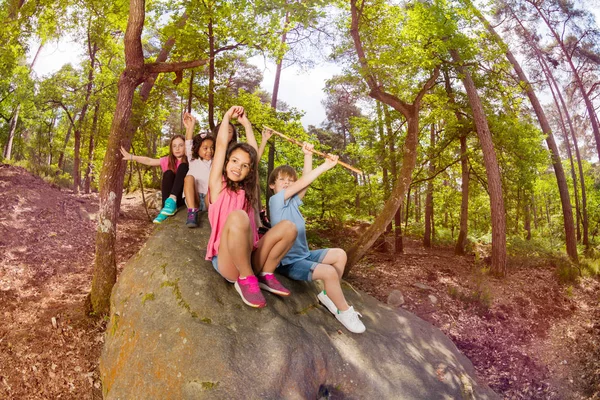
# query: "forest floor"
528,336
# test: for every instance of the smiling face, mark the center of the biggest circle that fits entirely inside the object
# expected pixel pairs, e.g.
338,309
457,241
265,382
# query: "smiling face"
178,147
206,150
239,165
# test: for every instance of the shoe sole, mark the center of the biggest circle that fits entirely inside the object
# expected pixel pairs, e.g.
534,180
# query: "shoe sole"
270,289
191,225
237,288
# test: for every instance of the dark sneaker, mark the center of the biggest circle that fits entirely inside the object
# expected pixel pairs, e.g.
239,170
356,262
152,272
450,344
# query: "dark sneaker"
250,292
192,219
271,284
170,207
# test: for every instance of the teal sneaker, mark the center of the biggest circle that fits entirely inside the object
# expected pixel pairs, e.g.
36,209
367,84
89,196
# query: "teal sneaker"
170,207
160,218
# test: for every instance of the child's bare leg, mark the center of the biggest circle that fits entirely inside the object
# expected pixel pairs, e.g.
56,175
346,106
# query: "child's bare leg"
235,247
273,246
337,258
331,280
189,188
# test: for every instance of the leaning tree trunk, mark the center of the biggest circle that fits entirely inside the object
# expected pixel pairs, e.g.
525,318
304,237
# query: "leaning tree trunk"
491,167
411,113
561,180
584,213
11,133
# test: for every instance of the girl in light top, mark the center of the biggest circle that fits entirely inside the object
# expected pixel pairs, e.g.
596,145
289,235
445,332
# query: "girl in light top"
175,168
233,247
199,152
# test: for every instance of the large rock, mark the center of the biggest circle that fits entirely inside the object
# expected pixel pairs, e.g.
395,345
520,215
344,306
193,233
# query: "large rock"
179,331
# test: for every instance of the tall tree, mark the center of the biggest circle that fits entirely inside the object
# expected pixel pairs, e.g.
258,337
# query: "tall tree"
113,169
491,168
561,180
409,110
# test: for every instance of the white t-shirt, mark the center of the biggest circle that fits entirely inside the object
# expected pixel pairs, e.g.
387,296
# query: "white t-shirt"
199,169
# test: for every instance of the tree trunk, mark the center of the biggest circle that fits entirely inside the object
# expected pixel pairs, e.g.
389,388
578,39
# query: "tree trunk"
398,244
584,213
271,156
81,119
211,76
461,242
94,131
11,132
561,180
190,92
498,216
113,168
429,197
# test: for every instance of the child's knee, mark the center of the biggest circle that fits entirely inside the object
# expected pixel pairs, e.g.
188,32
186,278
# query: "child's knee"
327,273
239,219
340,257
289,229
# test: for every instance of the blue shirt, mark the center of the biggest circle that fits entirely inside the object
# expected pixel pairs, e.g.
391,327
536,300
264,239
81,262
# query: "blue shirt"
280,210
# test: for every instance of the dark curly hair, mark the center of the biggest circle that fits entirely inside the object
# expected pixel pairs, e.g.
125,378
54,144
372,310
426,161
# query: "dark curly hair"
197,143
249,183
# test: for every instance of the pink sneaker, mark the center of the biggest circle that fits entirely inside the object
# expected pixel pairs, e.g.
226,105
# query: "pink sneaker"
270,283
250,292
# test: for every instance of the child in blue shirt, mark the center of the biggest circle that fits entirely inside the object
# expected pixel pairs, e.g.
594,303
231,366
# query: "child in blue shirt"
303,264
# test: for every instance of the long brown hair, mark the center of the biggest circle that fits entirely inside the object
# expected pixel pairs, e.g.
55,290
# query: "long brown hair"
249,183
172,158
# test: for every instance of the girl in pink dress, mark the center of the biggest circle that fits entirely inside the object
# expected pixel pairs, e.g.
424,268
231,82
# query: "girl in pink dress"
233,247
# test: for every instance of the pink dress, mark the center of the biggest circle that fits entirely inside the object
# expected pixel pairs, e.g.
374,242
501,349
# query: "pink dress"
227,202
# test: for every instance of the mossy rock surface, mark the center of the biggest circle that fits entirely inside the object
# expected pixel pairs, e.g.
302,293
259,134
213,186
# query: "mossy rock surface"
178,330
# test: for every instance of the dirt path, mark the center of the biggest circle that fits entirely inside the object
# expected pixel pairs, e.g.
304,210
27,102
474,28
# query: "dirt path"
528,336
48,347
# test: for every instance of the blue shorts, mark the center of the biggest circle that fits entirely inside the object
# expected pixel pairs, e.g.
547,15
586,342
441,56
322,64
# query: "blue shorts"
215,263
302,270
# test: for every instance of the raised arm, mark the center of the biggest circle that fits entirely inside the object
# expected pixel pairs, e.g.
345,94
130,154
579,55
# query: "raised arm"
216,170
153,162
266,135
307,179
189,122
243,119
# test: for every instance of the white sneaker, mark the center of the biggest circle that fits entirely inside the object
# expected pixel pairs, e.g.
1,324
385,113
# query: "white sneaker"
350,320
326,301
